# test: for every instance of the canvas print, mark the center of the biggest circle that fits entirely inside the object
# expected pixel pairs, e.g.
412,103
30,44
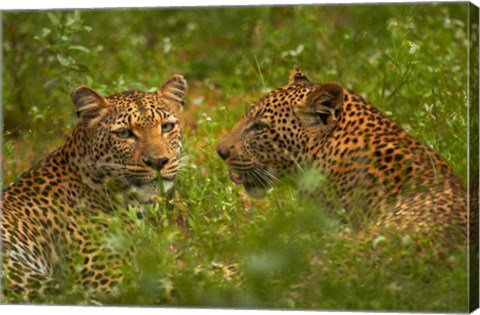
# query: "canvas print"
307,157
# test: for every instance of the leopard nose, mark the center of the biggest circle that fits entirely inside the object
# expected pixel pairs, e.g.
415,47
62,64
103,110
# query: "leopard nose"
224,154
157,163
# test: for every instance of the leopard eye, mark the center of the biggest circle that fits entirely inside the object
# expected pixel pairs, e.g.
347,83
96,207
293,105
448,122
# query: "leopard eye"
259,126
323,117
123,133
167,127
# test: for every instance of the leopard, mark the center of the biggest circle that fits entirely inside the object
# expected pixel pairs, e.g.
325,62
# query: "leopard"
125,151
362,161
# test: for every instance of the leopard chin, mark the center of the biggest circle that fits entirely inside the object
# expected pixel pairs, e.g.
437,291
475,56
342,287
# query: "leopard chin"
256,192
167,185
149,192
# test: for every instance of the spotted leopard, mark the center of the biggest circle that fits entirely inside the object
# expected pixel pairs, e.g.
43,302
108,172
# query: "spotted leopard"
124,150
370,163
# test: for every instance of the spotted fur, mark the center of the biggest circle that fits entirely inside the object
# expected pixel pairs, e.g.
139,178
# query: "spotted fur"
370,162
124,148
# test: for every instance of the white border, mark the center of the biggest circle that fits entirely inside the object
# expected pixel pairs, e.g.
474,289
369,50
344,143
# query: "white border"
86,4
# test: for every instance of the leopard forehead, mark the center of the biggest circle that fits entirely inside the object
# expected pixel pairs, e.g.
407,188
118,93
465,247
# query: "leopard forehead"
143,109
278,101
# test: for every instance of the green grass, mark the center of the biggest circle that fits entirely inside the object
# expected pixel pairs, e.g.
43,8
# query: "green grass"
210,244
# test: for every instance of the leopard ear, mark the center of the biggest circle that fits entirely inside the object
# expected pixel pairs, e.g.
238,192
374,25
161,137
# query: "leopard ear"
172,93
298,78
322,107
88,102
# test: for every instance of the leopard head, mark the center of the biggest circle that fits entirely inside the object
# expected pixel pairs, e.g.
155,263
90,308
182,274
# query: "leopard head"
271,139
132,139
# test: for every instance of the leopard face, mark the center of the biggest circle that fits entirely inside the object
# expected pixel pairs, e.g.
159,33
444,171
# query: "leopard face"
267,142
131,139
272,137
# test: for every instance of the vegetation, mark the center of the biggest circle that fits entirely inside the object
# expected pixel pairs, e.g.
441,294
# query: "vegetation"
210,245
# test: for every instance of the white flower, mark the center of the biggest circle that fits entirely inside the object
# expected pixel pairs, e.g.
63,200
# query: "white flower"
293,53
167,45
392,24
413,47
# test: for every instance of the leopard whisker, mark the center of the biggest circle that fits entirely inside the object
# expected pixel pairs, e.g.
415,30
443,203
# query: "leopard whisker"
254,177
298,166
260,179
184,157
181,175
269,175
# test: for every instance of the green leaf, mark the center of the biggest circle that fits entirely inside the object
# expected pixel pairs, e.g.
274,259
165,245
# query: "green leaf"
45,32
80,48
51,83
63,61
76,15
191,222
89,80
53,18
70,21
